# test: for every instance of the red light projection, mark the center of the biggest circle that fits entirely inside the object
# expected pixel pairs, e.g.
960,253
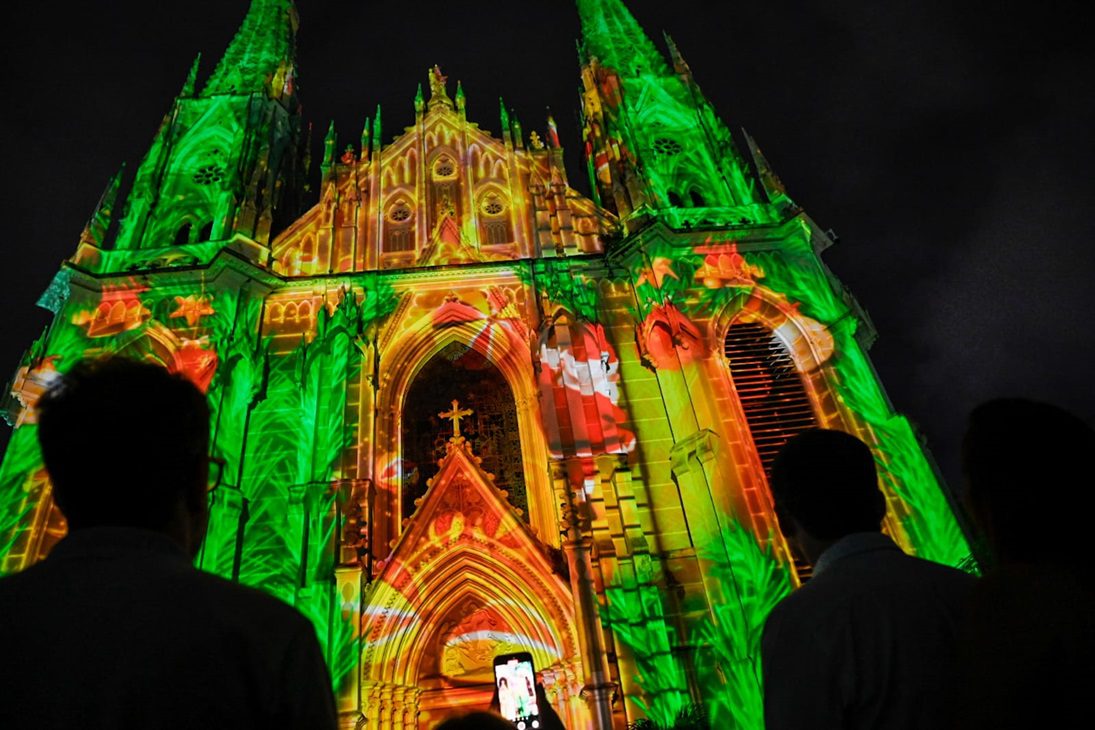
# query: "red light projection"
119,310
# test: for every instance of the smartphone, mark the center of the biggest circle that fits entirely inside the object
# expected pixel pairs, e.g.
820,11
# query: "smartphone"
515,678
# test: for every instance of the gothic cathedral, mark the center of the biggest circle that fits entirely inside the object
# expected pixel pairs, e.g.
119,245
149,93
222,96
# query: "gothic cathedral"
464,408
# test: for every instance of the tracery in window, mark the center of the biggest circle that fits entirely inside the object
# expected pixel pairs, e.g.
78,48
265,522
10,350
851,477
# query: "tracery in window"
444,168
667,147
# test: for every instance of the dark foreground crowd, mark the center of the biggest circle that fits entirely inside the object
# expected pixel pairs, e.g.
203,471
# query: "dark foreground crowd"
117,629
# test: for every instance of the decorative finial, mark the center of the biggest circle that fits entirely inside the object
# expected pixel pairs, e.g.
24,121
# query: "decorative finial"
455,415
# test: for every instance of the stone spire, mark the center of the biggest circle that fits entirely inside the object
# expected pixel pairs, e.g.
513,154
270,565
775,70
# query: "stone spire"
261,58
611,33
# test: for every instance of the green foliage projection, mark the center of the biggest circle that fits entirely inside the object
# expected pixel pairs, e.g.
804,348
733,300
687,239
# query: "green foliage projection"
63,344
727,660
796,272
22,458
296,440
563,286
635,612
672,144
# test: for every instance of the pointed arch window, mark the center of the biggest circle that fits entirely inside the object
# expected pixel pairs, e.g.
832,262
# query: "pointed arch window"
399,228
182,236
769,388
444,189
494,220
463,374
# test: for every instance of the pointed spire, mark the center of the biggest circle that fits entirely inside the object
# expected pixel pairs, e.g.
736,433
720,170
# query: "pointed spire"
419,99
518,135
553,131
260,59
773,186
679,64
329,143
503,115
95,230
377,140
460,101
365,139
611,33
191,84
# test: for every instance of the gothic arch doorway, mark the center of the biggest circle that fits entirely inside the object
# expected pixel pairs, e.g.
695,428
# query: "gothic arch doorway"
465,581
458,373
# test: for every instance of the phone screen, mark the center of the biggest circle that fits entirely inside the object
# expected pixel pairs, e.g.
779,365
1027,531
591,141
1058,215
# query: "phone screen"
516,682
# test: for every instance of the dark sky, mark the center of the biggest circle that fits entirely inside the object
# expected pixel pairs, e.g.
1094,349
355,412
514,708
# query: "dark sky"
948,144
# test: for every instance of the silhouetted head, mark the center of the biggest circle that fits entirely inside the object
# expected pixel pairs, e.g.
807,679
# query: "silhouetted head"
1025,464
475,721
126,443
826,481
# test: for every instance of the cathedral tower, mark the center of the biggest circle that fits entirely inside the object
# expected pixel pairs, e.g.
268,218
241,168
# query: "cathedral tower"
225,158
655,144
465,409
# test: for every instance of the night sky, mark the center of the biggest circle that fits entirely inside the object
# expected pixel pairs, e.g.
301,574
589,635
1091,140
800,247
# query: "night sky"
949,145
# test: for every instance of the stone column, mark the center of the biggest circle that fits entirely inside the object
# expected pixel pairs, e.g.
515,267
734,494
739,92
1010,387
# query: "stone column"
597,687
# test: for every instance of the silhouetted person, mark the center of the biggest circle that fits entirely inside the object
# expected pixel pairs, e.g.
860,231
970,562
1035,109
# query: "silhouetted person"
1029,640
116,628
865,643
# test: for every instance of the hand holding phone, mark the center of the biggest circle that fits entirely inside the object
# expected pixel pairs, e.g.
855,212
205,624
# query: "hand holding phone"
515,680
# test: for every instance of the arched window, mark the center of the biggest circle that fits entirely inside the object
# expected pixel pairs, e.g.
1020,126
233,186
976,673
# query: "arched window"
182,236
444,189
769,388
494,220
463,374
399,227
206,233
698,201
675,200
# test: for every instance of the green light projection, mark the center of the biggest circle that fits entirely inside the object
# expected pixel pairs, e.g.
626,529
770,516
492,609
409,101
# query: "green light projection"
299,361
796,272
655,142
726,639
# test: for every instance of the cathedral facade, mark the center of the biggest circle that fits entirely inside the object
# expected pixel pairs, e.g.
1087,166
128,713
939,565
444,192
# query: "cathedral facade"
465,409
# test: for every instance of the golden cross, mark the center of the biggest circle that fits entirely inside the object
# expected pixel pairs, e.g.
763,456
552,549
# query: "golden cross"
455,415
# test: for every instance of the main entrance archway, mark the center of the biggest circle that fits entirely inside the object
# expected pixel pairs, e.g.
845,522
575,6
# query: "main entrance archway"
466,581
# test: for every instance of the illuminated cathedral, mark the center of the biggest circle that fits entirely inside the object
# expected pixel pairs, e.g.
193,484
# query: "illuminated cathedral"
466,409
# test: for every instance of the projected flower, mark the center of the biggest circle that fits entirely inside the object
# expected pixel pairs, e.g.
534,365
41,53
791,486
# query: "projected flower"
660,268
193,308
197,362
667,338
725,267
